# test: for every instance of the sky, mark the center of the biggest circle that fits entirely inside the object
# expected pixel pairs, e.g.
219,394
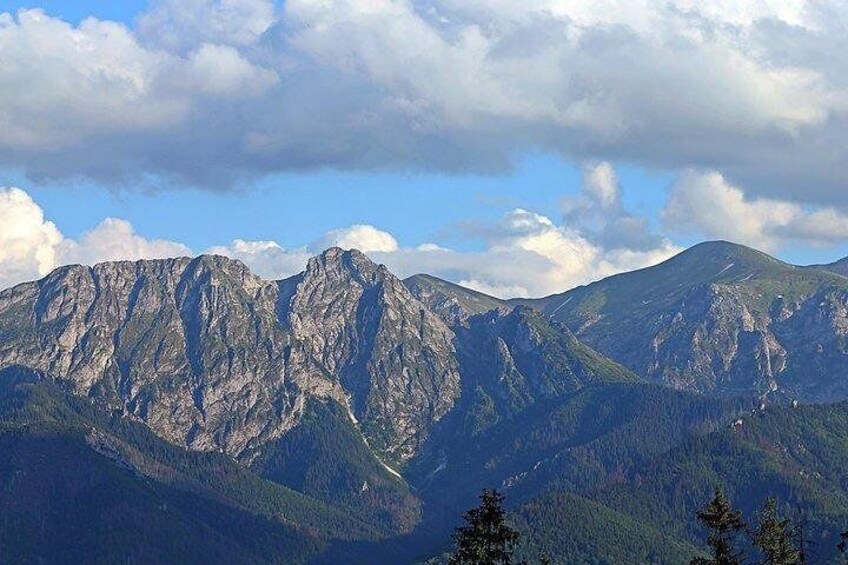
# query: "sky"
517,148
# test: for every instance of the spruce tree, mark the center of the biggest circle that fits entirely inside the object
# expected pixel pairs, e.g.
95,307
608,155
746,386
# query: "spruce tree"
486,539
801,541
723,525
774,537
842,546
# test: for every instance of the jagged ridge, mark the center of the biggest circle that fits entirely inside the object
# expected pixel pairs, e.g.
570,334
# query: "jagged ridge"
214,358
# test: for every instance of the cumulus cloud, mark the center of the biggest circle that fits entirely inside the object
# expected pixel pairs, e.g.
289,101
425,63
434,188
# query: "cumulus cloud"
182,24
600,215
600,183
362,237
707,204
221,71
27,240
268,259
31,246
116,240
92,100
751,88
524,254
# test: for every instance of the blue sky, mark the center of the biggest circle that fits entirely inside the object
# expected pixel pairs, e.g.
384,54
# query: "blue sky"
74,11
248,125
294,208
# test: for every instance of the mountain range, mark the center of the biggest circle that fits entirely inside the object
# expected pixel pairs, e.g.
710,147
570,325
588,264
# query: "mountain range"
345,415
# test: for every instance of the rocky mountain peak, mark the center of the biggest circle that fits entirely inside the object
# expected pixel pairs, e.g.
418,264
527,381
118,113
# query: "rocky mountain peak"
213,357
719,318
336,261
393,356
718,260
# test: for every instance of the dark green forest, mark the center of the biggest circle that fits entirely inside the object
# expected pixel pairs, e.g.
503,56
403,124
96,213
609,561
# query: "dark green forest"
615,473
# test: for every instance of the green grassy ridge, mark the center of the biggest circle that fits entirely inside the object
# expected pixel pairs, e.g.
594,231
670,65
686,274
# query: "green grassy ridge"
757,276
561,348
647,457
580,439
704,320
569,446
711,263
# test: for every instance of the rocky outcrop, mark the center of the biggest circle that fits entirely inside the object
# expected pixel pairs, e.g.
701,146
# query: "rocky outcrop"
393,357
214,358
190,346
453,303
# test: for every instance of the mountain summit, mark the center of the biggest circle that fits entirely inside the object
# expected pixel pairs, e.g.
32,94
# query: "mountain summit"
216,359
719,317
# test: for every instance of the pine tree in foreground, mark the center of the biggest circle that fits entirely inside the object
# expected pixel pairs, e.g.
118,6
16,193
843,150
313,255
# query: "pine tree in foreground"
723,524
774,537
842,546
485,539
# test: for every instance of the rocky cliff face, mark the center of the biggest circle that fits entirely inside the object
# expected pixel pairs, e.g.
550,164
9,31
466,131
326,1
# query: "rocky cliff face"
394,358
719,318
516,359
191,347
214,358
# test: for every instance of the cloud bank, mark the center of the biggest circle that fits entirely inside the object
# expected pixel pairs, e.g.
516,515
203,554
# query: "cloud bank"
706,204
209,93
523,254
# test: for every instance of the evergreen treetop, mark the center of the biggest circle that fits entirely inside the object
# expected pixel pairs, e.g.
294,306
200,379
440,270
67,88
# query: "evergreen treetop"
486,539
774,537
723,524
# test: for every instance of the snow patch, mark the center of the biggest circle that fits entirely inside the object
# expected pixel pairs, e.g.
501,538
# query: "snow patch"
567,300
356,422
724,270
389,469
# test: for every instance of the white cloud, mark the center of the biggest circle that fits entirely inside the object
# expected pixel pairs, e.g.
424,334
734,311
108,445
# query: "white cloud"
115,240
31,246
178,24
525,254
60,84
601,185
707,204
600,215
219,70
91,100
268,259
27,241
362,237
753,88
